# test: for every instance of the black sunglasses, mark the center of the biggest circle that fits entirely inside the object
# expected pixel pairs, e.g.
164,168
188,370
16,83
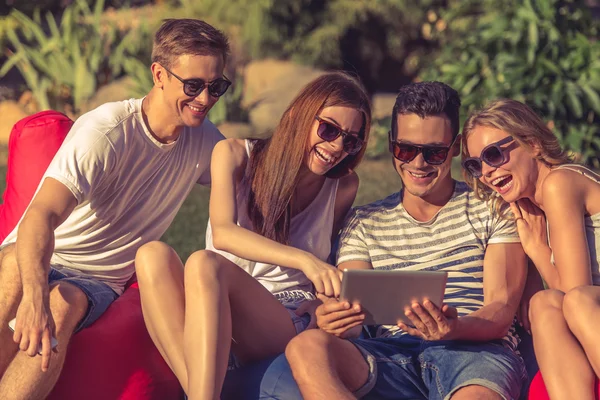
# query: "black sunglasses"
328,131
406,152
492,154
193,87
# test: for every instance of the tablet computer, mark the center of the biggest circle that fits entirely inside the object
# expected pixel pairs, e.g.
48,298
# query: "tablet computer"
384,294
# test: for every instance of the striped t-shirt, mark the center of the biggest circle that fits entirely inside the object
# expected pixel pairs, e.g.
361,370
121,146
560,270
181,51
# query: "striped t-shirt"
454,240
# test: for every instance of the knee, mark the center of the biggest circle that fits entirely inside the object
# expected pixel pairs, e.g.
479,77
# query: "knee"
202,267
152,259
68,305
8,258
475,392
311,342
10,278
544,305
580,302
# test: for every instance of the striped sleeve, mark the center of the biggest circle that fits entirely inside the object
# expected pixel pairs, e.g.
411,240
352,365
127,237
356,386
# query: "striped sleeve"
352,245
504,229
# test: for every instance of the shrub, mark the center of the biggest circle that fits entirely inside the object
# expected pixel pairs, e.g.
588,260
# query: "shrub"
545,53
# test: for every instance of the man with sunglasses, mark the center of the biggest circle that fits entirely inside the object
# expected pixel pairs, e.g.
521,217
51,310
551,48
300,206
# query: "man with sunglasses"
116,183
465,348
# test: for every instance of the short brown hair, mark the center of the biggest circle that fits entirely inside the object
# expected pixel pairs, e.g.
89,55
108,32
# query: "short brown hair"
177,37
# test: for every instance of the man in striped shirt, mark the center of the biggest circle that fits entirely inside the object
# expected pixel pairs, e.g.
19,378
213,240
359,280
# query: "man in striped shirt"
467,348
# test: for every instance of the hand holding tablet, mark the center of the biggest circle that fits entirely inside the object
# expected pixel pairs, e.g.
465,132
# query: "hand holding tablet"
385,295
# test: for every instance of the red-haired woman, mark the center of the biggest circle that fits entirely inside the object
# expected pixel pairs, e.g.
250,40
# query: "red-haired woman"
275,206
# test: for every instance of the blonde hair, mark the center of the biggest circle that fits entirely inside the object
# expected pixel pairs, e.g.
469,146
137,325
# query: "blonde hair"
527,129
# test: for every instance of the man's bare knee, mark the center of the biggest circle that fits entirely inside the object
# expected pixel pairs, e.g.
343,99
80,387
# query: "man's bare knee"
10,284
312,341
475,392
68,305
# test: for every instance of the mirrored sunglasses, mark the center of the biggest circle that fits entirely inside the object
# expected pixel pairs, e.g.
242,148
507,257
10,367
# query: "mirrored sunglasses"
406,152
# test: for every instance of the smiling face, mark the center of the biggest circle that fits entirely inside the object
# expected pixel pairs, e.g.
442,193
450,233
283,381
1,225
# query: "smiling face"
422,180
513,180
322,155
186,110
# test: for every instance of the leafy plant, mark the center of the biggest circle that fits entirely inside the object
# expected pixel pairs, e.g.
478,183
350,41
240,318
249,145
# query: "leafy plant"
545,53
65,65
380,40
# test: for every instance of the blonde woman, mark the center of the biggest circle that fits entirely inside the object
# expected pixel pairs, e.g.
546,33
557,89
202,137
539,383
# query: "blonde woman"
510,154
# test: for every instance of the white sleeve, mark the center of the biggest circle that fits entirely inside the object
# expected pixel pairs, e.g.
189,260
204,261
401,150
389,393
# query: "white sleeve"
83,161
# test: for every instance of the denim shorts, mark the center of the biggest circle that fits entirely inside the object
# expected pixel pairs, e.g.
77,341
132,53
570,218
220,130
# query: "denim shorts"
291,300
98,293
405,367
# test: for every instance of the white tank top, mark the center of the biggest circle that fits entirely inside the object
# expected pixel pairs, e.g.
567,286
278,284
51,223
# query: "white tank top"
310,230
592,225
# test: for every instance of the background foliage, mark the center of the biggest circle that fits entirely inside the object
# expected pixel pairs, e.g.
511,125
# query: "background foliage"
545,53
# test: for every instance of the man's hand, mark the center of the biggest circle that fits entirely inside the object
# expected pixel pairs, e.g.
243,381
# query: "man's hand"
34,325
338,317
431,322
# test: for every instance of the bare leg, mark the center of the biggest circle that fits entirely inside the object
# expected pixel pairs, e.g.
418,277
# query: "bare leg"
567,373
160,275
24,378
581,309
474,392
10,296
326,367
223,302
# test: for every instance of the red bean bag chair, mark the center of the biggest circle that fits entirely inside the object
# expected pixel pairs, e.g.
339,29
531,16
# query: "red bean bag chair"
537,389
115,357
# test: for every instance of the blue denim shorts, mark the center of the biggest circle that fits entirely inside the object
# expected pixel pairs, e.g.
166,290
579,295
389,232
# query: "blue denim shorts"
405,367
291,300
99,294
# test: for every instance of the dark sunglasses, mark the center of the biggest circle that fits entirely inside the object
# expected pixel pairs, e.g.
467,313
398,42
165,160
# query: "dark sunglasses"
492,154
328,131
193,87
406,152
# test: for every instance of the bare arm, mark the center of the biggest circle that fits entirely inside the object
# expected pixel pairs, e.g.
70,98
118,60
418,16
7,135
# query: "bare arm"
504,275
51,206
346,194
228,161
35,243
564,206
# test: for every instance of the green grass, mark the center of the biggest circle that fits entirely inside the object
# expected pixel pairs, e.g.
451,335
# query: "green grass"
378,179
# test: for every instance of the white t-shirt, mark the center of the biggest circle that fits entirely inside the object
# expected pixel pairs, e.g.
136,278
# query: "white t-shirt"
128,187
310,230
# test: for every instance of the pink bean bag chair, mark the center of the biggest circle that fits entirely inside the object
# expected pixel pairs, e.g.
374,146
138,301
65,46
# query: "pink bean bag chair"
537,389
115,357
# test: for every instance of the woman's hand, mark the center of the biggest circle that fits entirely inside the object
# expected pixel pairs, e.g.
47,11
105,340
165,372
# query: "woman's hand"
326,278
531,225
